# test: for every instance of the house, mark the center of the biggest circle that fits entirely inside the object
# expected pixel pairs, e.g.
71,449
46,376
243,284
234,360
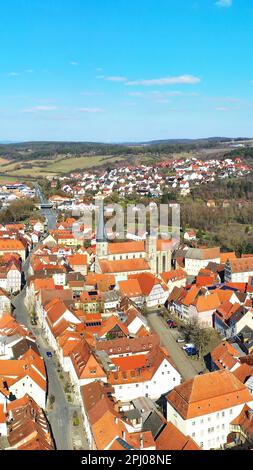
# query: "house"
226,356
151,375
145,289
107,428
204,406
28,428
241,428
174,278
203,308
190,235
84,367
198,258
12,246
57,316
113,328
230,319
239,270
131,289
79,263
27,375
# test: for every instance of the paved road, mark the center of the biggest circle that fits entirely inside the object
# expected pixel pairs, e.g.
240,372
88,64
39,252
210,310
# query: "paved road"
187,367
49,214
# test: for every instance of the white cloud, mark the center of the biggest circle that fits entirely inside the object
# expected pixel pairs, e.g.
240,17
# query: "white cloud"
90,110
221,108
163,101
224,3
135,93
74,63
90,93
179,80
13,74
45,108
115,79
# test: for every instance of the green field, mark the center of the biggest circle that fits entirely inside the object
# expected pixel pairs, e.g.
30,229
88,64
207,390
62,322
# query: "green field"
58,165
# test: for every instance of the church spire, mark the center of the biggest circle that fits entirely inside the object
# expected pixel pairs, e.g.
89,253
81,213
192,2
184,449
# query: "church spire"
100,225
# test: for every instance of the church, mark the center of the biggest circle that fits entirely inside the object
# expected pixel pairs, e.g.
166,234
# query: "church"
130,257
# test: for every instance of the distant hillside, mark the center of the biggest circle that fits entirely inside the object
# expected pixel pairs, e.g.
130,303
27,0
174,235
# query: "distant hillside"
39,150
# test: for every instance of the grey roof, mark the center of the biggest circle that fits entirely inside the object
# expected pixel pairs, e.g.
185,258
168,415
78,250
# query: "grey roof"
132,414
144,404
154,423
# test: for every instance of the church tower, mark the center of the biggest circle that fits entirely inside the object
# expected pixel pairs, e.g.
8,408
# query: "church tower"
101,238
151,252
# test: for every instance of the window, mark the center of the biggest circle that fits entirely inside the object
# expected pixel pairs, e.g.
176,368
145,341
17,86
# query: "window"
193,423
193,434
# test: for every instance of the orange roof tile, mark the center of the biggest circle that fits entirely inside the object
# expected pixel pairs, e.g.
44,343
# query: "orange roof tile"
173,439
124,265
208,393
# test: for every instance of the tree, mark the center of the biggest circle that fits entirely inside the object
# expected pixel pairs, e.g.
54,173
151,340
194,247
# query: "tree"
194,332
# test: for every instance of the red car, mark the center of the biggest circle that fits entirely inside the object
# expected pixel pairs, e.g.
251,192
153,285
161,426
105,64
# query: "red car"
171,324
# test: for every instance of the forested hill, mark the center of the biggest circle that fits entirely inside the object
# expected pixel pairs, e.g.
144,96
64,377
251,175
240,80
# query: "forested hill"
34,150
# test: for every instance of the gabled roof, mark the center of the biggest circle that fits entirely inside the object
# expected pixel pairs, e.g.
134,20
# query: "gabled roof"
225,356
241,265
243,372
205,303
28,428
203,253
130,288
208,393
111,267
173,439
110,324
245,421
173,276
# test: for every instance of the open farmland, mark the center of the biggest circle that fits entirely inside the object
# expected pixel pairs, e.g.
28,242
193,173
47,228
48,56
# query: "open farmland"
57,165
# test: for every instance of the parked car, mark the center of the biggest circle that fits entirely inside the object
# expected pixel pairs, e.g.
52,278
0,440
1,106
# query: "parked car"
171,324
189,345
180,340
191,351
49,354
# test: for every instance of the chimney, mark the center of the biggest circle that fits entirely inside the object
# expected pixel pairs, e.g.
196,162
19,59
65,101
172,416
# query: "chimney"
123,435
141,441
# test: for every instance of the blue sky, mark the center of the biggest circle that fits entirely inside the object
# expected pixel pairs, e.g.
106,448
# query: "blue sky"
125,70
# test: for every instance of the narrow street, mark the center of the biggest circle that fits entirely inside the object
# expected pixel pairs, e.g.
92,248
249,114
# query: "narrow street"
187,367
